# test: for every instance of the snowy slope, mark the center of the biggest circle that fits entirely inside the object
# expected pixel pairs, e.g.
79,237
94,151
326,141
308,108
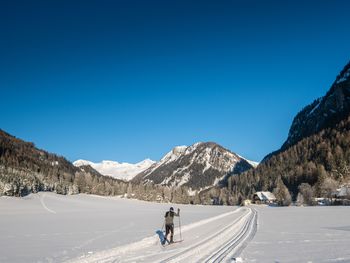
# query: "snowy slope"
252,163
123,171
202,165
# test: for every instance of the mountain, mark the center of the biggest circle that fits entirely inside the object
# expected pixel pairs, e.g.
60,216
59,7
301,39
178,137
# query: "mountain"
26,169
324,112
122,171
199,166
316,154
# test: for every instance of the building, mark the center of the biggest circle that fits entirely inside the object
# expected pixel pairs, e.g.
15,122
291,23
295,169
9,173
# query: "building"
264,198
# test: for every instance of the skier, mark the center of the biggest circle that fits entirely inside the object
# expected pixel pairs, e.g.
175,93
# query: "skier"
169,223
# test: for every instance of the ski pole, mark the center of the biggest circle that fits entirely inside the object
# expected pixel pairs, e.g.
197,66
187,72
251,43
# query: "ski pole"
180,228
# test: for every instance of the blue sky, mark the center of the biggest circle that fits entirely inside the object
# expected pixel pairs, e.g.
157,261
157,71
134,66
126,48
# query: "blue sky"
126,80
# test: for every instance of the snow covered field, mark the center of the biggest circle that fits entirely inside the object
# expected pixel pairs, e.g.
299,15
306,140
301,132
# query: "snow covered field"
300,234
46,227
217,239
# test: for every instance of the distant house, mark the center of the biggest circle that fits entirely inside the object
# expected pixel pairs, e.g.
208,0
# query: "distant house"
264,198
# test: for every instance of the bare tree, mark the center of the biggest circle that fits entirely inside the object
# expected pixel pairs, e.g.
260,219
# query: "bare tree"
307,194
282,194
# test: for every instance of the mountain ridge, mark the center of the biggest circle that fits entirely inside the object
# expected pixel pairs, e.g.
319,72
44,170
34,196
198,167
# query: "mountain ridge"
322,113
198,166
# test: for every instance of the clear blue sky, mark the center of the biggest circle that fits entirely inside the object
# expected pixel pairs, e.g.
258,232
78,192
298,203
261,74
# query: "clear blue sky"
126,80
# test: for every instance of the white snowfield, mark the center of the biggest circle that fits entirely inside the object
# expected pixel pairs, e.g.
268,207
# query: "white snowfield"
300,234
46,227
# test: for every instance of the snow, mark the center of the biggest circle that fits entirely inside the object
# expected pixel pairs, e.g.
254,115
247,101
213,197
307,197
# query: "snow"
206,157
46,227
300,234
173,154
177,152
209,240
54,163
266,196
123,171
218,179
80,162
192,148
345,77
316,106
184,179
207,167
252,163
191,192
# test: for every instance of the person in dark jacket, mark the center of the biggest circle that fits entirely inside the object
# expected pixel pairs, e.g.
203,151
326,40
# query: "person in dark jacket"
169,223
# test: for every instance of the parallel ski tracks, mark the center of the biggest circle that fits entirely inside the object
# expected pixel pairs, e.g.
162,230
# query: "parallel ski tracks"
236,243
246,233
222,245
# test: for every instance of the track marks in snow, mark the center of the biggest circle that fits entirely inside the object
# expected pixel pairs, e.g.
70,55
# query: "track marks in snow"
233,248
42,196
223,245
202,246
217,239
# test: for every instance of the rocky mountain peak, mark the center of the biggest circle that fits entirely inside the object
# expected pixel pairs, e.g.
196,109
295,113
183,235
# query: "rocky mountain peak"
198,166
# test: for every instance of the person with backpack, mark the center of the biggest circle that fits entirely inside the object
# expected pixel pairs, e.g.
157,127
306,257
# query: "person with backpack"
169,223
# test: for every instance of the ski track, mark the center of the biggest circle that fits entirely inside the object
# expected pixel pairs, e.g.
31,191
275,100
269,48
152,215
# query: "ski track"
42,196
232,249
218,239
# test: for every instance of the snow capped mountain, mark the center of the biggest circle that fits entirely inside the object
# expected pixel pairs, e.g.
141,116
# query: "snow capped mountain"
198,166
79,163
173,154
123,171
252,163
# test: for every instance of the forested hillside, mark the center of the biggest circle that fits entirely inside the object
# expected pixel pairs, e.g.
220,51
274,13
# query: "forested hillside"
25,169
315,159
321,160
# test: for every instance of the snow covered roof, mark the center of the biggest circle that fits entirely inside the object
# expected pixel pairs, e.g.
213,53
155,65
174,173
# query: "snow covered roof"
266,196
